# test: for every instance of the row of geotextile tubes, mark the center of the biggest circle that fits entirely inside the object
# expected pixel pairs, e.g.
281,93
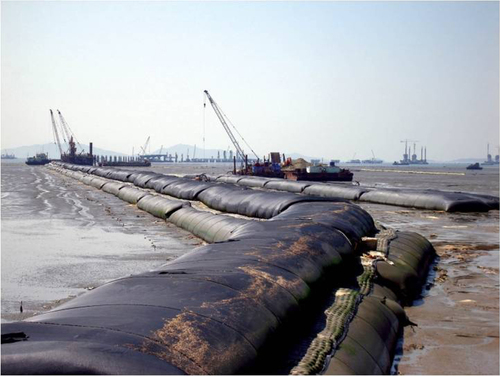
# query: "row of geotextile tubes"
431,199
224,307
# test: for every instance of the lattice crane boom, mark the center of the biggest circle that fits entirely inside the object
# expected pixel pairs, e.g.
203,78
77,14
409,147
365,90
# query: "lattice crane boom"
222,117
55,132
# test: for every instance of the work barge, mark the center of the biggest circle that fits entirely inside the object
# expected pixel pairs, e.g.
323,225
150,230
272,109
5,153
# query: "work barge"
276,258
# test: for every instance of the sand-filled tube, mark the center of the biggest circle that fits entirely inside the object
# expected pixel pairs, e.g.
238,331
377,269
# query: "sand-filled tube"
249,202
353,221
232,179
113,187
427,199
121,175
286,185
158,183
159,206
409,256
131,194
102,172
185,188
141,178
251,181
335,191
207,226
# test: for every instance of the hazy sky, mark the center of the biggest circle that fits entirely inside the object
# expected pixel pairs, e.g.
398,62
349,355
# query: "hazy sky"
326,79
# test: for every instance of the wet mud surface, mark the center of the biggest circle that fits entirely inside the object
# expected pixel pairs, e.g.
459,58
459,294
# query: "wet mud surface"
60,237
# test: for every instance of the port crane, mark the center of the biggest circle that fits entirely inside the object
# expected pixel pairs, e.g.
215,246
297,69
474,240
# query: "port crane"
145,146
222,117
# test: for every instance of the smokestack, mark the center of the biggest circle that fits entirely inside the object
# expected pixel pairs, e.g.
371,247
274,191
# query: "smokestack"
422,153
90,148
425,154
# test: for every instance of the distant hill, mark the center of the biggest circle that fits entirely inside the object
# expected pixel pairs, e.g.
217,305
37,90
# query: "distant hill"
52,149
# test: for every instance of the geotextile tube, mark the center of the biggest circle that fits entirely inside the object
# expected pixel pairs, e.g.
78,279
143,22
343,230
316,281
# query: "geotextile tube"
220,307
430,199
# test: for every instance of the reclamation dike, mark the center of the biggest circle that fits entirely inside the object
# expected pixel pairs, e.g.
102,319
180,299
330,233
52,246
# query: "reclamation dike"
275,261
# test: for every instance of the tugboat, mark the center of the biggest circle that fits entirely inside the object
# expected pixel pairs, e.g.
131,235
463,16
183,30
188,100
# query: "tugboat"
474,166
38,159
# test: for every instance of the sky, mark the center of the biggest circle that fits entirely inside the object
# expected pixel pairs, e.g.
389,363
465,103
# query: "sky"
325,79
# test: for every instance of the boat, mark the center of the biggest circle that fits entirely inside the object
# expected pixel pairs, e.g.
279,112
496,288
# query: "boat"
302,170
8,156
38,159
474,166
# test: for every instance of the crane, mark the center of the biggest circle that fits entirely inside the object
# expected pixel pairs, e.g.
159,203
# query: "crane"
161,149
56,133
222,117
145,146
68,130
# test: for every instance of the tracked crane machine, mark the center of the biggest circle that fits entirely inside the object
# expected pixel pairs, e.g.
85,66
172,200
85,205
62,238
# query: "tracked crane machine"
240,154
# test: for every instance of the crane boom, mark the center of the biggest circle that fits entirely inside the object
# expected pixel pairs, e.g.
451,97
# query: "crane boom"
56,133
68,129
145,146
221,116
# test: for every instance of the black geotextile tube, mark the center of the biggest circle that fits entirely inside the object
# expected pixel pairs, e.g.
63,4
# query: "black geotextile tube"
185,188
113,187
286,185
208,312
131,194
335,191
427,199
207,226
369,345
251,181
353,221
102,172
232,179
159,206
121,175
250,202
410,256
161,181
141,178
